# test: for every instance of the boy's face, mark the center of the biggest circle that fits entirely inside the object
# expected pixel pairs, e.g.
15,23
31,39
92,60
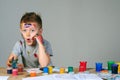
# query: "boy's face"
29,31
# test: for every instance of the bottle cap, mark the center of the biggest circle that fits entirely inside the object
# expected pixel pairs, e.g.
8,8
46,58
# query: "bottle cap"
70,69
45,69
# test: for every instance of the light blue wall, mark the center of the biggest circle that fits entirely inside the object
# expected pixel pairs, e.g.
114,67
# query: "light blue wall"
77,29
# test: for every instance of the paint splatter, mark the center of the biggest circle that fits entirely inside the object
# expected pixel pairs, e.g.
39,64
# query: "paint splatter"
28,52
20,42
35,55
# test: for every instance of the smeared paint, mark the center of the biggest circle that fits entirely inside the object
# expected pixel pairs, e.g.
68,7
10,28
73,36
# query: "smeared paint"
34,25
27,25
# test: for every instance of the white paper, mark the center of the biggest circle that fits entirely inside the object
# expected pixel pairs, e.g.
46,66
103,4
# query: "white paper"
52,77
46,77
80,76
4,77
37,70
64,77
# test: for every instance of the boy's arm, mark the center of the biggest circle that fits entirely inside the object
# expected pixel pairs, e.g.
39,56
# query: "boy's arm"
11,56
43,57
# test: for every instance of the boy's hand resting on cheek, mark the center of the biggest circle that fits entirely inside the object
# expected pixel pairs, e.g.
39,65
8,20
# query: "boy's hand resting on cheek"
39,39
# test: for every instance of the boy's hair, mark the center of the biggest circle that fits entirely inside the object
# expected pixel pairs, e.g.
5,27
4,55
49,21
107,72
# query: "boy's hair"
31,17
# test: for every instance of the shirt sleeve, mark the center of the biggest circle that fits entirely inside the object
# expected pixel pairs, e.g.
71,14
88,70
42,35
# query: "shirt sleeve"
17,49
48,48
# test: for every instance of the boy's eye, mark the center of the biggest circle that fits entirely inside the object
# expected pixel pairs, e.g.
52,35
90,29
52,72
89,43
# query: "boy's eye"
24,30
32,30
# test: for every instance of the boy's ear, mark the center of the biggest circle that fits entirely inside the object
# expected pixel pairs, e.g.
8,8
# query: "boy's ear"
40,31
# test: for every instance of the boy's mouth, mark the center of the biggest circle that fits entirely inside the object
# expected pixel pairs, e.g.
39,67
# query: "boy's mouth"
28,40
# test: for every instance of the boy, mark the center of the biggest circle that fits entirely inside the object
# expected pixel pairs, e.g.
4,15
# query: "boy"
34,50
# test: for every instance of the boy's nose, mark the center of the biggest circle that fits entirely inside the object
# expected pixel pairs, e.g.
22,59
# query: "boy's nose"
28,34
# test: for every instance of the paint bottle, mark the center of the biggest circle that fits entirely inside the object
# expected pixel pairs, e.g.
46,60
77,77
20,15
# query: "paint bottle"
82,66
50,68
15,72
114,69
14,63
9,70
98,66
45,70
110,65
32,73
70,70
62,70
118,67
20,68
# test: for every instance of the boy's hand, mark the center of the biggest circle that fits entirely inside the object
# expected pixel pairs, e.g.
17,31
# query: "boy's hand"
10,59
9,63
39,39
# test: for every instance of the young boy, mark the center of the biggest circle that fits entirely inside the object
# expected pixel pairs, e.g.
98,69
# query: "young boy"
34,50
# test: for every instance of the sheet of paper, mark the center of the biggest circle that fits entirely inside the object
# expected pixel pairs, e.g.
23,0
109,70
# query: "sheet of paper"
46,77
52,77
64,77
37,70
4,77
81,76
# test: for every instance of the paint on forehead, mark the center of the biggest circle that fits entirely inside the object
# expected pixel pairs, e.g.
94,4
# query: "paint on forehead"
27,25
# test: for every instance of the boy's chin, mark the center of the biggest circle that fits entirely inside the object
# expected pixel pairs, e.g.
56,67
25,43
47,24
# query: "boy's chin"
31,44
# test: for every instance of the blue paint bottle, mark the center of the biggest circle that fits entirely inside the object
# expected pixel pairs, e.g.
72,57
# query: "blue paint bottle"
114,69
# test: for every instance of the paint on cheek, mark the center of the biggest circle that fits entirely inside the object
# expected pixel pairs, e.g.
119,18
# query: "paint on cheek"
34,36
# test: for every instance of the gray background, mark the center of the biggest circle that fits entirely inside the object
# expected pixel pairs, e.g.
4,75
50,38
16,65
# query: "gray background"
77,29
